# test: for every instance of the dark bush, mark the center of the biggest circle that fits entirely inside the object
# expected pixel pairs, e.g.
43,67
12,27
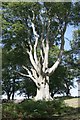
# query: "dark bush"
39,109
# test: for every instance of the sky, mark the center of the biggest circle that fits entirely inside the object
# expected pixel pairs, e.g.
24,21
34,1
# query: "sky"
69,35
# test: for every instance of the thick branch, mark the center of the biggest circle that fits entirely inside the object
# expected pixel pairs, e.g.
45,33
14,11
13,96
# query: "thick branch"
42,39
27,70
30,45
32,61
22,74
35,47
43,45
34,73
34,31
29,75
35,50
45,64
47,52
41,53
53,68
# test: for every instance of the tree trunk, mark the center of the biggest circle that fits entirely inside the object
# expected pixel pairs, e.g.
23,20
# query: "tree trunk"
67,92
40,70
13,96
8,96
28,95
43,91
13,89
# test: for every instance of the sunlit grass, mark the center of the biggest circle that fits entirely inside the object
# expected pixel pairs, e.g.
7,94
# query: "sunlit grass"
73,102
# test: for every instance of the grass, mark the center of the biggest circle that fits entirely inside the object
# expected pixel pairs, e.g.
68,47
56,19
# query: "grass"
73,102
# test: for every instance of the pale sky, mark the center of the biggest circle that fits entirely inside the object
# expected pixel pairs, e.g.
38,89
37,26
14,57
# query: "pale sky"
69,35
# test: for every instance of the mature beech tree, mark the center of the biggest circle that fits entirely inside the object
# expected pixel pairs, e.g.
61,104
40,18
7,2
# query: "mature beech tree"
38,27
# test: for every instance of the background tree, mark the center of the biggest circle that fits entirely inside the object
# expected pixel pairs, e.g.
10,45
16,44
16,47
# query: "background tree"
62,81
10,78
28,88
75,51
12,50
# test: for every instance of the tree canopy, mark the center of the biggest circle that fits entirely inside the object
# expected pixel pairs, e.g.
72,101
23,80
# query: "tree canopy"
33,43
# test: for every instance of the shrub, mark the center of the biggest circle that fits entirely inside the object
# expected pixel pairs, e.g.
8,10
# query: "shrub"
39,109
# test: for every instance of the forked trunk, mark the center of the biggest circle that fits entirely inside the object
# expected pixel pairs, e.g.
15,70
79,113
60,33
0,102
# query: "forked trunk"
40,71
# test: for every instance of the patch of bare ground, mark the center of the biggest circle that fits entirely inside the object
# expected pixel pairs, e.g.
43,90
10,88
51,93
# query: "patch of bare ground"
73,102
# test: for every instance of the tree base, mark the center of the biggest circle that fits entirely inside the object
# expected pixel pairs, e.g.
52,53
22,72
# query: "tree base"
36,98
43,93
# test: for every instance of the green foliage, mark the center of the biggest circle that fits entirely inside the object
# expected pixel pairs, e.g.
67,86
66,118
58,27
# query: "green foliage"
9,110
16,32
72,56
33,109
61,81
27,87
39,109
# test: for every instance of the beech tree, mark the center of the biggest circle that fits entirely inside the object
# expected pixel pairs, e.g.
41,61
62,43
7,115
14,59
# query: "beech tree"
44,25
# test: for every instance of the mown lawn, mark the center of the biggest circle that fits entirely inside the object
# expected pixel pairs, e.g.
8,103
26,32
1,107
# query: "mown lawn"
73,102
56,109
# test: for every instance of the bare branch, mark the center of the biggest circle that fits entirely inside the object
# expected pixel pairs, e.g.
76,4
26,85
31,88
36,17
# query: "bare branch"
30,76
34,73
30,45
22,74
53,68
33,62
45,64
47,52
41,53
34,31
31,58
42,39
36,42
43,45
35,50
27,70
33,15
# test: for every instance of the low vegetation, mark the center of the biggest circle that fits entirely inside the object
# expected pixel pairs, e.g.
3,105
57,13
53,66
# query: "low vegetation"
40,109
